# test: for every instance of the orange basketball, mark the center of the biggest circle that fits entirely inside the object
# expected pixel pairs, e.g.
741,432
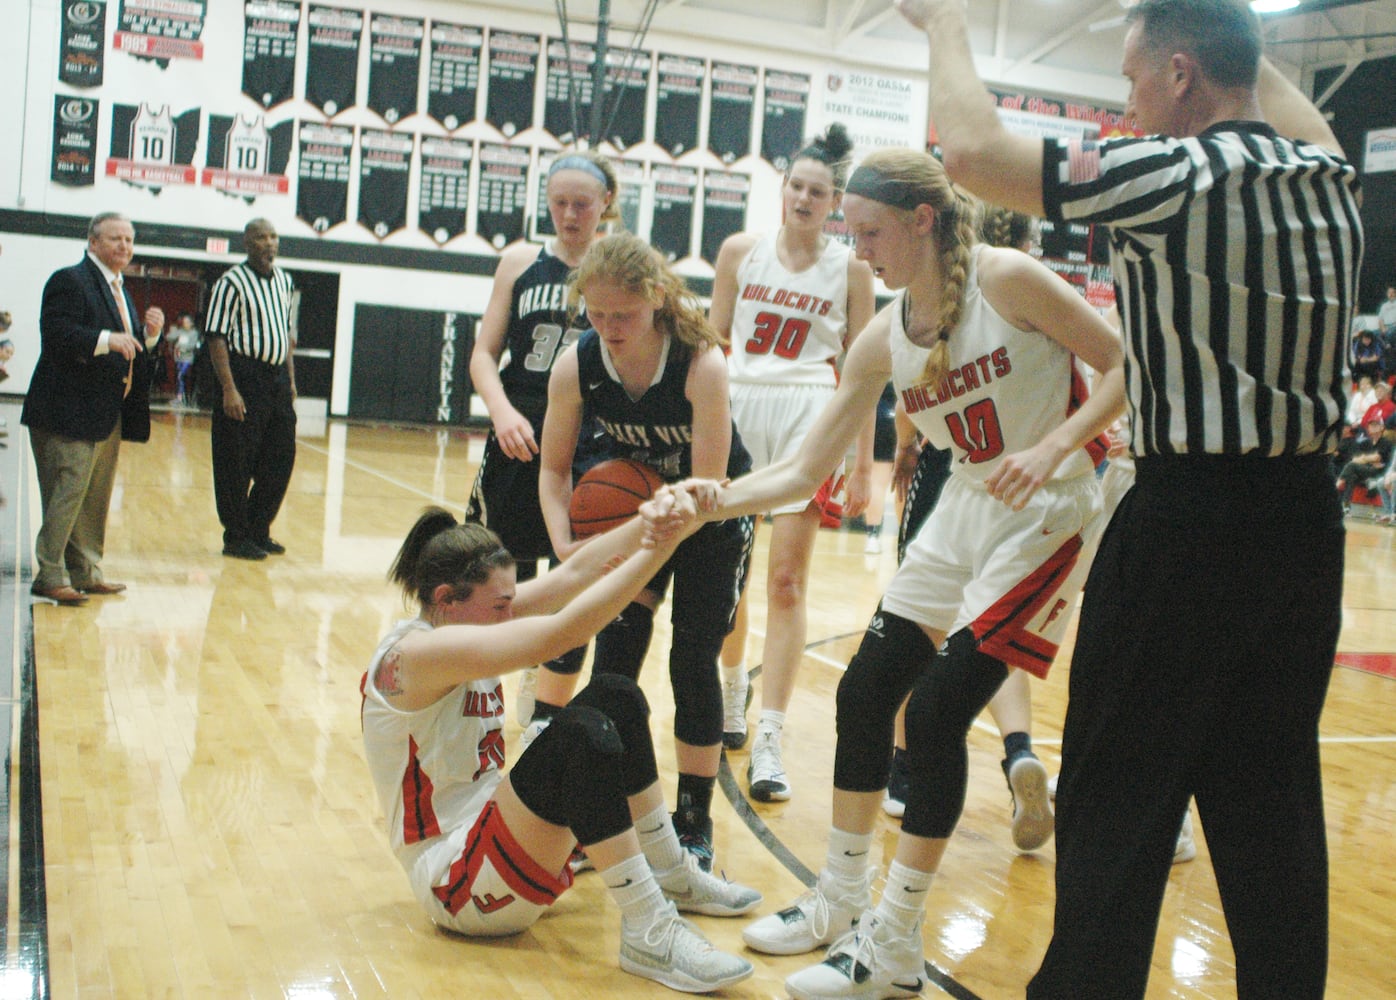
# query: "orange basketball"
609,494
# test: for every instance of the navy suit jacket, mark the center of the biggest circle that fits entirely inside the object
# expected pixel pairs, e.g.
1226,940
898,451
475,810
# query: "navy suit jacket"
72,391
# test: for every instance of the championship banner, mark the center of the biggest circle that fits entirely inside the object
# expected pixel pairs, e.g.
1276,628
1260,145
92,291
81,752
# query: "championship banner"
74,141
1379,151
270,31
322,185
878,111
725,198
443,196
394,63
332,58
151,147
247,159
731,110
631,175
568,72
160,29
453,76
671,227
502,199
513,75
385,164
627,96
783,119
678,103
541,223
82,50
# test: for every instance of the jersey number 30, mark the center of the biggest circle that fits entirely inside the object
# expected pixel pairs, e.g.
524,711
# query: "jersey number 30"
977,431
779,335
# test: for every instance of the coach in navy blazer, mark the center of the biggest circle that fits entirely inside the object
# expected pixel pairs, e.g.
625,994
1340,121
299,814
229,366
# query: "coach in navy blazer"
90,391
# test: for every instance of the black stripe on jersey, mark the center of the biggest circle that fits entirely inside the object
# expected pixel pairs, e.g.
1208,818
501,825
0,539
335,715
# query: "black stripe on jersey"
253,313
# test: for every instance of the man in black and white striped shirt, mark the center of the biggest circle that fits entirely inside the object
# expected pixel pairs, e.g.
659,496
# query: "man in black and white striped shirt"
251,339
1211,616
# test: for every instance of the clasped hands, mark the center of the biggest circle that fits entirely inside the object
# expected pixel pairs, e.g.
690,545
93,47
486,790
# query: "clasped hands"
675,506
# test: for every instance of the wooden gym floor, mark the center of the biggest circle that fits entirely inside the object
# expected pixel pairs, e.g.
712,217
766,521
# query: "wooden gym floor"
189,814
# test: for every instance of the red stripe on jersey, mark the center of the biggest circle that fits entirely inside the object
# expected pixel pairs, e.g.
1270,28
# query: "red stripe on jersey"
490,840
418,815
1002,629
1097,446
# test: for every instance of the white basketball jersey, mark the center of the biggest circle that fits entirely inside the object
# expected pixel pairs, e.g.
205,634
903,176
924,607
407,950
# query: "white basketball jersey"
787,329
435,769
1005,390
248,146
153,135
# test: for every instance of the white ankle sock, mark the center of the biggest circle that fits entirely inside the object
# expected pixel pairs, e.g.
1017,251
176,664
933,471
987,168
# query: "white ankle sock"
658,840
771,719
849,855
632,885
904,896
730,675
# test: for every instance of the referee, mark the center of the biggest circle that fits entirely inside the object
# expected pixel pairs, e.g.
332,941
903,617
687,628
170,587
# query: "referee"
1211,615
250,340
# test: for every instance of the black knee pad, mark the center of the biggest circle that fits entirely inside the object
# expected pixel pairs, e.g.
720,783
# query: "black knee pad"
569,663
944,704
894,651
697,688
621,700
621,646
571,775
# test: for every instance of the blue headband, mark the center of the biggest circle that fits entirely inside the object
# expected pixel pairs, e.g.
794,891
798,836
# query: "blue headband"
869,182
575,161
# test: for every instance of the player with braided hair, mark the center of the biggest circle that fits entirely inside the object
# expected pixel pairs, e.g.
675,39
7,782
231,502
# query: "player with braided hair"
980,344
791,303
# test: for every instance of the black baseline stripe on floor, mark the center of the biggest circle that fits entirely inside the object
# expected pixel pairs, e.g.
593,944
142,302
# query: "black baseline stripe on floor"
738,800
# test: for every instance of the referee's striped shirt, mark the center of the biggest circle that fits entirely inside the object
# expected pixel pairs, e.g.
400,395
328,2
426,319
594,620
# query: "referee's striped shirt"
1235,256
253,313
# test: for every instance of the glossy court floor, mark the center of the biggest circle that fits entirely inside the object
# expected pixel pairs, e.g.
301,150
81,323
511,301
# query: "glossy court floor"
190,815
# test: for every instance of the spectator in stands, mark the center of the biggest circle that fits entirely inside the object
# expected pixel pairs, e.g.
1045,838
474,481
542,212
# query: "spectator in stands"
1367,355
1371,454
1364,396
1386,316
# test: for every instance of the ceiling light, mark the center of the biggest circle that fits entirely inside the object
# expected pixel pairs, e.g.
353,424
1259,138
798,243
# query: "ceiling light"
1273,6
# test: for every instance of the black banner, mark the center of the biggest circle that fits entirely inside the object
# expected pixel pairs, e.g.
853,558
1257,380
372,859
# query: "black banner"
322,189
731,111
568,73
724,209
678,103
160,29
783,124
394,63
247,159
270,30
453,77
513,76
443,196
385,164
82,53
671,230
152,147
74,141
502,198
627,93
411,365
332,58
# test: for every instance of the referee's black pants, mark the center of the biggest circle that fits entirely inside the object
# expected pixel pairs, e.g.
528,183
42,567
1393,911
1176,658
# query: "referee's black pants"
1206,642
253,457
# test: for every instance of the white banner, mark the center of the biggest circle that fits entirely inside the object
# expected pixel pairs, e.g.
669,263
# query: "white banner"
1380,153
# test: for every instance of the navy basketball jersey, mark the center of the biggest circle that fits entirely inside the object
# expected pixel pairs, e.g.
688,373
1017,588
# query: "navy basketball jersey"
657,428
539,331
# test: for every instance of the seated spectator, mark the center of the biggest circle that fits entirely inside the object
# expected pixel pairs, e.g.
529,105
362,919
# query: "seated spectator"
1363,397
1368,356
1386,316
1371,454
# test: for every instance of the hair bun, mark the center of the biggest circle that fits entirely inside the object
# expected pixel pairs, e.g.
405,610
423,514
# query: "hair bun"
835,141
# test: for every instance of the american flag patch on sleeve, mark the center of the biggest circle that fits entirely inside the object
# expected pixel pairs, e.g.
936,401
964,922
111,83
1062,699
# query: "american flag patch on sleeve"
1082,161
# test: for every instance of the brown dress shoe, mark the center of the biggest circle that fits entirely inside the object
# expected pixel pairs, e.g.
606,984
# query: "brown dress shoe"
102,588
62,594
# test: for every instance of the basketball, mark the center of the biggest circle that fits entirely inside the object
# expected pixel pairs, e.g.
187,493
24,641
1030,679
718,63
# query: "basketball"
609,494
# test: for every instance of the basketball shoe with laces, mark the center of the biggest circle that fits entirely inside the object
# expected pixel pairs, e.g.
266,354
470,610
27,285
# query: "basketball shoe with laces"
821,915
736,699
693,890
673,952
873,962
766,772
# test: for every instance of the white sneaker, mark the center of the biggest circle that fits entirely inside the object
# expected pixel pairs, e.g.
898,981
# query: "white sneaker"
874,962
1033,821
526,697
1052,787
531,732
693,890
1186,848
873,546
673,952
817,918
765,773
736,696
